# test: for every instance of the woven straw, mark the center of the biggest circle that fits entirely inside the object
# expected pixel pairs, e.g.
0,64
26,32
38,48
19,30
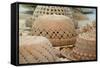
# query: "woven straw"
58,29
35,49
50,10
85,47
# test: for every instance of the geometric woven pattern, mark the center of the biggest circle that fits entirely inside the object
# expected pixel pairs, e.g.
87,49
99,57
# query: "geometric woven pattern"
85,47
35,49
50,10
57,28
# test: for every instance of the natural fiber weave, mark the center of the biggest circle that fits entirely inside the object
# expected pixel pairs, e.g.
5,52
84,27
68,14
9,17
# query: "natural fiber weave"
50,10
33,49
58,29
85,47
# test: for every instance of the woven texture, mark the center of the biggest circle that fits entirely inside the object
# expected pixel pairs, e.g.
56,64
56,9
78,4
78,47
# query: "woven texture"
89,27
50,10
58,29
85,47
35,49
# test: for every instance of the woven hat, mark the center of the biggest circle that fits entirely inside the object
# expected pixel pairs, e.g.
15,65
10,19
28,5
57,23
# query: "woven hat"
50,10
58,29
36,49
85,47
